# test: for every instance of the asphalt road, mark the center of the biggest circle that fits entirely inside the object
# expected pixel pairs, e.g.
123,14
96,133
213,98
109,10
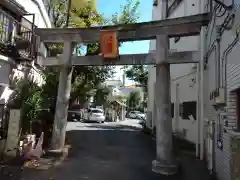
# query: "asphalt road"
128,123
106,151
113,151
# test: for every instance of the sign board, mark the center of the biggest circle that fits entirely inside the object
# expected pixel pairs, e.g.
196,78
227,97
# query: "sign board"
109,44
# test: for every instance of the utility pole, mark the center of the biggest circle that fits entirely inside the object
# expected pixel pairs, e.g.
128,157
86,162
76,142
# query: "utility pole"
165,162
64,90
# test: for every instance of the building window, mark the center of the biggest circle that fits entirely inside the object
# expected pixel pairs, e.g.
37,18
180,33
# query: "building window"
6,26
172,109
188,108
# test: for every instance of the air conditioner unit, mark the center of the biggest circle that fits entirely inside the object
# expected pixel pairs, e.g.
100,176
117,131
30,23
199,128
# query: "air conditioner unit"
212,98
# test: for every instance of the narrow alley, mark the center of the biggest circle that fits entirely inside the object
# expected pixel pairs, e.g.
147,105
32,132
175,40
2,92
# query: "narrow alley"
108,151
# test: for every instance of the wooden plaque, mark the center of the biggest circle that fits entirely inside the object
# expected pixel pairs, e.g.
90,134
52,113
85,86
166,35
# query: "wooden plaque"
109,44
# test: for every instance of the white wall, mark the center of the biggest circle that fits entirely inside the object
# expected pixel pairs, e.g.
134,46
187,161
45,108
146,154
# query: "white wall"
36,7
186,93
4,72
42,21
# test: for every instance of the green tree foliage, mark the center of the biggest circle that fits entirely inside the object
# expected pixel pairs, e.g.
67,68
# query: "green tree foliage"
101,95
85,78
129,13
134,100
27,96
122,98
1,28
50,88
139,74
85,15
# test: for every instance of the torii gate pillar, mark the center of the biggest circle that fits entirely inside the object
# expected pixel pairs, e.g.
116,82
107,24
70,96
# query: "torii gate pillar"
64,89
165,161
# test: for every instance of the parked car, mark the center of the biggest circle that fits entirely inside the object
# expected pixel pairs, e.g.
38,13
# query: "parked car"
143,123
95,114
136,115
75,112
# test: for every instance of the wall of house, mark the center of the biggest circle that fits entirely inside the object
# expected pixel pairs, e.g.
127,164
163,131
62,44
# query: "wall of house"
179,95
223,130
185,8
42,20
4,72
36,7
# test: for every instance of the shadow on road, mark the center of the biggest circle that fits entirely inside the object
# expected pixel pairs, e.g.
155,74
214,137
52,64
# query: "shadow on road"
118,152
112,152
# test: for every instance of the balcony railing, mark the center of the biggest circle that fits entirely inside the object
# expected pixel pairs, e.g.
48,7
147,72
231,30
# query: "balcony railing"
17,39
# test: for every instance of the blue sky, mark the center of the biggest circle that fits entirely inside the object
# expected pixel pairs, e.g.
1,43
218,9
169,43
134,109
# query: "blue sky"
108,7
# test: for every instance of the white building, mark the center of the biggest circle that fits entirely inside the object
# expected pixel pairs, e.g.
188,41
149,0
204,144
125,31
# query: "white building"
18,50
221,88
183,86
216,91
18,19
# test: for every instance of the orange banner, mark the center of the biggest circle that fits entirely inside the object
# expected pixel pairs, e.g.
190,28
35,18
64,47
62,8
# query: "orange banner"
109,44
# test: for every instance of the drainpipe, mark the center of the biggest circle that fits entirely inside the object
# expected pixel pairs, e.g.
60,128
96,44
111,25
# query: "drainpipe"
209,52
176,107
33,40
213,124
224,63
201,89
217,57
201,119
198,113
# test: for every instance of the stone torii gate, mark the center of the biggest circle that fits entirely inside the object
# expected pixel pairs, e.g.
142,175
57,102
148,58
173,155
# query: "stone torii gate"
159,30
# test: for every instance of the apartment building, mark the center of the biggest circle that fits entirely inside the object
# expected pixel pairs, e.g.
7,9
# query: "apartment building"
18,50
184,76
213,89
221,83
